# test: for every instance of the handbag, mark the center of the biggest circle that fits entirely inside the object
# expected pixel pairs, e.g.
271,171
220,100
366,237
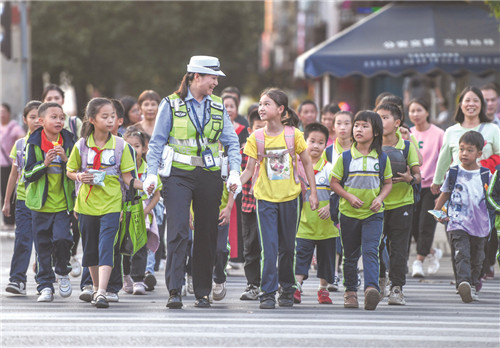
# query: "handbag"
133,234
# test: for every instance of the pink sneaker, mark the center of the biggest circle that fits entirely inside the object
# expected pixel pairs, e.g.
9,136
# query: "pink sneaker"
324,296
296,296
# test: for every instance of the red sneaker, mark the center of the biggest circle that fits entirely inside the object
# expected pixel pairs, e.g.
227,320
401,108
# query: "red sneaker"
296,296
324,296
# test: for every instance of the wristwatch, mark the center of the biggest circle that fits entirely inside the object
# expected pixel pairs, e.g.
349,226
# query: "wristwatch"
412,181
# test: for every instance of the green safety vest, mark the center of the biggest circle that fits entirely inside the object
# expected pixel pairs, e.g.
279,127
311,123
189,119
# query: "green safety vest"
184,137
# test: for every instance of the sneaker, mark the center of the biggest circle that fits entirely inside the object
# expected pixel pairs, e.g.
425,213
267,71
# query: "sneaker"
150,281
465,292
324,296
268,301
251,293
417,269
46,295
286,299
139,288
18,288
359,281
475,296
335,285
434,261
100,301
297,297
86,294
396,297
351,299
372,298
112,297
183,291
64,286
76,267
128,284
190,288
490,274
219,291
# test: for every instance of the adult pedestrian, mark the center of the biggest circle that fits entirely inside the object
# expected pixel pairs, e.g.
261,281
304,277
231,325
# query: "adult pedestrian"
10,131
192,121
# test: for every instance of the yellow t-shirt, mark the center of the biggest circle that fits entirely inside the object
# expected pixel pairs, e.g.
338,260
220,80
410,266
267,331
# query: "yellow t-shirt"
276,182
102,199
402,193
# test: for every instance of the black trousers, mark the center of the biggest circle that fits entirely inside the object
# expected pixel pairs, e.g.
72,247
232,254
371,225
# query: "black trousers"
204,189
4,175
251,247
423,224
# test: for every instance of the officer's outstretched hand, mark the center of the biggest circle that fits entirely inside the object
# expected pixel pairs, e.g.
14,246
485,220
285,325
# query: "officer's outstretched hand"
150,183
234,183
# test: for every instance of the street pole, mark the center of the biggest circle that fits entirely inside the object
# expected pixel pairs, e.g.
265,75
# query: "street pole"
23,10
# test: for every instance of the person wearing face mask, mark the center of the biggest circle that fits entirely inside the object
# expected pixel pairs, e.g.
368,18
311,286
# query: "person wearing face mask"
192,121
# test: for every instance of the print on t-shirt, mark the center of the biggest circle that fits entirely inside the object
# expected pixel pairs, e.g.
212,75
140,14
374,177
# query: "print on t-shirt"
278,165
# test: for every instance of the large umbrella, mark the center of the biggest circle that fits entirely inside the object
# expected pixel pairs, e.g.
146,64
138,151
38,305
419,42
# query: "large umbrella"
404,38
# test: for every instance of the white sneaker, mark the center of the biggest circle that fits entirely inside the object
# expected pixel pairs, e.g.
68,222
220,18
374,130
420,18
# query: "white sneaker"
417,269
64,286
396,297
86,294
183,291
190,287
128,284
219,291
112,297
434,261
139,288
46,295
76,267
465,292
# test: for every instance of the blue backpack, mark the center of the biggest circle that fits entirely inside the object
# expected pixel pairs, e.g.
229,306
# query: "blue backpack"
346,159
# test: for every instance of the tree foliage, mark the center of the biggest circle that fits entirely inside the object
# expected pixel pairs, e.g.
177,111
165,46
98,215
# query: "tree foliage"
125,47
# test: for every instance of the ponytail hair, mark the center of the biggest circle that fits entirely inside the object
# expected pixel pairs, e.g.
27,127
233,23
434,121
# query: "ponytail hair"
91,111
182,91
288,117
377,127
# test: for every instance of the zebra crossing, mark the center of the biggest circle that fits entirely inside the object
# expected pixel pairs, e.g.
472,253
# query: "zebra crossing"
434,316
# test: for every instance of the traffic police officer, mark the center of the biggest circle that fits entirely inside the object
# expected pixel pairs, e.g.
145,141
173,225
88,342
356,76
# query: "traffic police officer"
191,122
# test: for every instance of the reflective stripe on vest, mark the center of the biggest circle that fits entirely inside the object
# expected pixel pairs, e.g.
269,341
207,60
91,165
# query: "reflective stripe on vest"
184,134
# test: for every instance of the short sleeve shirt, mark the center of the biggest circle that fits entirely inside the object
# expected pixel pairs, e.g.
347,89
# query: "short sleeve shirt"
363,181
276,182
102,199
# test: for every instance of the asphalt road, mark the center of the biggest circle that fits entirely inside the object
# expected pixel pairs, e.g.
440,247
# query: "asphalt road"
433,317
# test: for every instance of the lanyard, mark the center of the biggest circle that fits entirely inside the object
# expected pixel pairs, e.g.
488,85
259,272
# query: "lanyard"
200,128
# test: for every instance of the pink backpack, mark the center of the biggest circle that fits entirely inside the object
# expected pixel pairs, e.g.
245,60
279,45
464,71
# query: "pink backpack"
298,169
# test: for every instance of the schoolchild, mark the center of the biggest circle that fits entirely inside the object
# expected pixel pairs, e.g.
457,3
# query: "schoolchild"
467,214
399,203
361,206
23,242
327,119
316,230
278,194
98,153
47,152
250,232
148,102
138,262
307,113
54,93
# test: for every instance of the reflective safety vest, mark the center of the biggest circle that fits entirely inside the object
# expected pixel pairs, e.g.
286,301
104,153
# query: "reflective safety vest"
185,139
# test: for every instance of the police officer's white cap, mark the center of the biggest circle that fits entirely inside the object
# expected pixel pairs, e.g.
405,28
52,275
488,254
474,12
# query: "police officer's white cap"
205,65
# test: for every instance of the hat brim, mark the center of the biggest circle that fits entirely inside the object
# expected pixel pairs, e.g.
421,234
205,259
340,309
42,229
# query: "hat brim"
204,70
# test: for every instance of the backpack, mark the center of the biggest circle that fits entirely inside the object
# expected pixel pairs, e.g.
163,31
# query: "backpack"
73,127
417,188
485,178
346,160
298,168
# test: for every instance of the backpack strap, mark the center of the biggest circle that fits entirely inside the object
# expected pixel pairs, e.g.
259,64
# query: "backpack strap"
452,177
329,153
346,160
382,161
72,126
406,150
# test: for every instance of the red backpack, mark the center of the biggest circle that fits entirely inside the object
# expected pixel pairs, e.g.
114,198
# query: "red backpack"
298,168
